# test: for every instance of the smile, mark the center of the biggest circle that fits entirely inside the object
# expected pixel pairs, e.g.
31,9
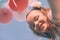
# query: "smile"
40,27
41,23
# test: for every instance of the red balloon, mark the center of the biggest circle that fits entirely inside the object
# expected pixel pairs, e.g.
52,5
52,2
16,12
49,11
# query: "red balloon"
18,5
5,15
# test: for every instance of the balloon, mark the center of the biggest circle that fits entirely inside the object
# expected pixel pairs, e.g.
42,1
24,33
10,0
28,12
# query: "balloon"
18,5
19,16
5,15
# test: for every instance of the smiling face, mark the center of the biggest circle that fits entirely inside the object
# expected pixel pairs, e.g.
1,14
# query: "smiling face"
39,19
39,22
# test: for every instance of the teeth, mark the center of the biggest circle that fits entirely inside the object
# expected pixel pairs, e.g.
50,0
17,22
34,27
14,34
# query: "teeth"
45,28
40,24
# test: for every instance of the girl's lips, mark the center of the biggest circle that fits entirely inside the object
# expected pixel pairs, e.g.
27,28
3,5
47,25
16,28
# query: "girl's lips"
40,26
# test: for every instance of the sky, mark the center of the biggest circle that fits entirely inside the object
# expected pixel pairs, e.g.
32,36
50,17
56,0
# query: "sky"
18,30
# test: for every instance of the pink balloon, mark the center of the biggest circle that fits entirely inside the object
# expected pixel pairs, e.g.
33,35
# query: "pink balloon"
5,15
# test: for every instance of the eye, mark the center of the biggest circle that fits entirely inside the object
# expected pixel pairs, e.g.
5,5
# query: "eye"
36,18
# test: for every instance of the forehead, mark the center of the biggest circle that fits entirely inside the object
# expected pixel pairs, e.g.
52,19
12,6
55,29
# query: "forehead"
32,14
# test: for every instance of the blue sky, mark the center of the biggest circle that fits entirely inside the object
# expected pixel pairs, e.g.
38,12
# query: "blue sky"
18,30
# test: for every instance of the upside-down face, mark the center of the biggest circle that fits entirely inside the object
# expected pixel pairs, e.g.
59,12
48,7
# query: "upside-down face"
38,21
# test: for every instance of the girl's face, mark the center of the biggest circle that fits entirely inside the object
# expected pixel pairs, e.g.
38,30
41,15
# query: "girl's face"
39,19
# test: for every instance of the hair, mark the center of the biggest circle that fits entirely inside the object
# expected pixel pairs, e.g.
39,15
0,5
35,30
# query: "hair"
51,30
42,9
